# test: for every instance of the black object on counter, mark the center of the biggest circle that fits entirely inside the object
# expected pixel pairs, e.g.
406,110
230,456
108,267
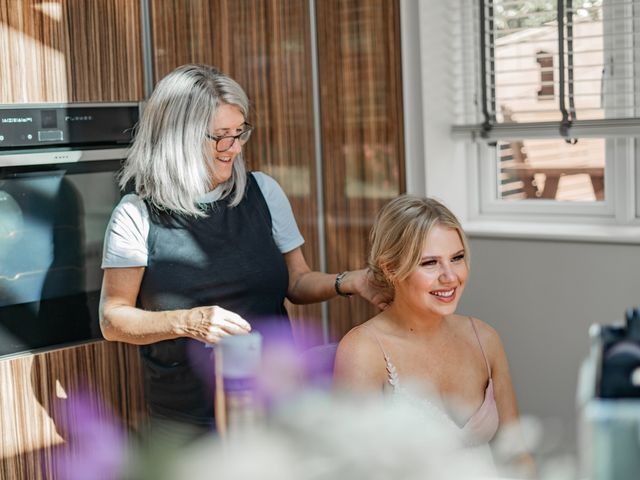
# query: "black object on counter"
620,374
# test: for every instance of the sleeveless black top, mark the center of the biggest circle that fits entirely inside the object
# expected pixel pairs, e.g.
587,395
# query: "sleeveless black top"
228,258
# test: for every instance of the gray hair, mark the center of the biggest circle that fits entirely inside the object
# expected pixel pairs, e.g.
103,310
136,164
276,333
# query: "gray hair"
168,159
398,236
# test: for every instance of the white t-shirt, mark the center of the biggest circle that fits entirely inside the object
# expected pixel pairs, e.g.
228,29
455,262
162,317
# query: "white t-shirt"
125,241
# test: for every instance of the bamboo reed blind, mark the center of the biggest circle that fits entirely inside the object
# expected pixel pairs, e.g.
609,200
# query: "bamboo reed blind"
70,51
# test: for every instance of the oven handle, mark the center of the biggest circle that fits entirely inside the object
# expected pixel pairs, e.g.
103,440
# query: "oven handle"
15,159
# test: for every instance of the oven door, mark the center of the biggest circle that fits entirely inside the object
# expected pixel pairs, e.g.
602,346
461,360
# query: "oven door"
52,222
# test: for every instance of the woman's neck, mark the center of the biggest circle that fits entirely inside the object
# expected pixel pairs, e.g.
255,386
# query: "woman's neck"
411,320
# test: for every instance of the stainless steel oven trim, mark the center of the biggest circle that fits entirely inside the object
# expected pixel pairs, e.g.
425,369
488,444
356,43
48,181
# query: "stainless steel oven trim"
16,159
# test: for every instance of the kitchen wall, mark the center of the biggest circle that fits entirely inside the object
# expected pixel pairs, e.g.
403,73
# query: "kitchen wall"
325,82
541,297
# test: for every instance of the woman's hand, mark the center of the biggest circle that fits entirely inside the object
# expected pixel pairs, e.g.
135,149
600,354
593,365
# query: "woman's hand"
212,324
306,286
361,282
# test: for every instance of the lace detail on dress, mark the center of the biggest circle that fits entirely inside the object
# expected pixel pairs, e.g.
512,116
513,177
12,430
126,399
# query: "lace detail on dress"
392,372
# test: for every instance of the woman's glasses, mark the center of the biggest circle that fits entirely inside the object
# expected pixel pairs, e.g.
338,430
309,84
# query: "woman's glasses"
225,142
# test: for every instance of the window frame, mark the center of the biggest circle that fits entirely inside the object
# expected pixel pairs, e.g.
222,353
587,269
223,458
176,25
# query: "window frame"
445,157
490,203
620,207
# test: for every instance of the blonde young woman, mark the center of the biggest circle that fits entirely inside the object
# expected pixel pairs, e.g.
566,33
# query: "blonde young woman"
455,363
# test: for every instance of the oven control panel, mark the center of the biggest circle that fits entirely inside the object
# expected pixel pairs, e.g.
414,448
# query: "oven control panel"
72,125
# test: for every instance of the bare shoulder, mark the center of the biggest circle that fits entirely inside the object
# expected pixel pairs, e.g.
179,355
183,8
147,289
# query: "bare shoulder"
488,335
359,360
359,343
491,343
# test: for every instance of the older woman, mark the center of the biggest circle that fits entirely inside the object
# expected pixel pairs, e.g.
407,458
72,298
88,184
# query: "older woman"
203,249
455,364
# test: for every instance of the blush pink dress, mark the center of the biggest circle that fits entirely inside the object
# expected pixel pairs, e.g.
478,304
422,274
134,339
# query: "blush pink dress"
477,431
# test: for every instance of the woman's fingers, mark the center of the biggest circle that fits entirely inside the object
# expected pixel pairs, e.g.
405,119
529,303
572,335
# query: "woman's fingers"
215,334
211,324
218,323
233,329
230,321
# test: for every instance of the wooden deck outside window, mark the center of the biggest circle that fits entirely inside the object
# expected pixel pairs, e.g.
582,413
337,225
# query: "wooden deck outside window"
521,168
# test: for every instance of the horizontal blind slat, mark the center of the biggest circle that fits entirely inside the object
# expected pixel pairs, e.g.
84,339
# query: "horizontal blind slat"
600,59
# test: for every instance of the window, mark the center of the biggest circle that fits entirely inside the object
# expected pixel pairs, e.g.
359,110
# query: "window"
556,108
547,88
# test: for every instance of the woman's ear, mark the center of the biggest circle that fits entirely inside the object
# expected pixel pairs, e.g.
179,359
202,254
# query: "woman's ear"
388,273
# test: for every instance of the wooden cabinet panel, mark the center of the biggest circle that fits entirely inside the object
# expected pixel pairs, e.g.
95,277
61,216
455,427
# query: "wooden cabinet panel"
46,400
362,132
70,51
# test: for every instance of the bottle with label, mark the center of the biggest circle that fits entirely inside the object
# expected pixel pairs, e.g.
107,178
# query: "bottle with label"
238,405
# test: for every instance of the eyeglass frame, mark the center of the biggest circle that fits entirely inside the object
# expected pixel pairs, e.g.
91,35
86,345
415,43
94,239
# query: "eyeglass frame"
236,138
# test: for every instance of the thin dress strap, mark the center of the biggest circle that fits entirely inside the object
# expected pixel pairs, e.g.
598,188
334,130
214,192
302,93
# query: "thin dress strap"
480,343
392,373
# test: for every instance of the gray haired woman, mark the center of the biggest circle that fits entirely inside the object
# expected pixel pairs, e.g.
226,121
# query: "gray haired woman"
203,249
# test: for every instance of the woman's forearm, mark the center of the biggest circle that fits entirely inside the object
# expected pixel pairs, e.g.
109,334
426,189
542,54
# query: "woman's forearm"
208,324
122,321
128,324
307,286
312,287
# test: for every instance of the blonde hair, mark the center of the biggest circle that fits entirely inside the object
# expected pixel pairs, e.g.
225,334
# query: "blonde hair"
399,232
168,159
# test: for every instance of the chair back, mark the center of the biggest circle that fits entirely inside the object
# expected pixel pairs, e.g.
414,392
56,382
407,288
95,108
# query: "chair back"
318,364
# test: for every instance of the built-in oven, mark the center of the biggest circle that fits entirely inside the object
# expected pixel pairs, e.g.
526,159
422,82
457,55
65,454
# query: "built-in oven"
58,186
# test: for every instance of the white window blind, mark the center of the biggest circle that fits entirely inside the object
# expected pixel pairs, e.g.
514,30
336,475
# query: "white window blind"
550,88
550,68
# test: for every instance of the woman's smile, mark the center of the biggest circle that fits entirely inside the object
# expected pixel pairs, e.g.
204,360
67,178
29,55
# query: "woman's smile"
445,296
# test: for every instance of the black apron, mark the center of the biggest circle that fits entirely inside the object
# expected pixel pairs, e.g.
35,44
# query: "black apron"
228,258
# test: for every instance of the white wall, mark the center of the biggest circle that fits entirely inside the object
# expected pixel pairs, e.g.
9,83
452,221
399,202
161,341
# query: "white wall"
542,297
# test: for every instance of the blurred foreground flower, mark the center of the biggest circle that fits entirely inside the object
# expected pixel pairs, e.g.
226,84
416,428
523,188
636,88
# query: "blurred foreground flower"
320,436
95,445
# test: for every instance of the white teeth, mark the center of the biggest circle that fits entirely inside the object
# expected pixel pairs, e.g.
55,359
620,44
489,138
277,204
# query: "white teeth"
443,294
